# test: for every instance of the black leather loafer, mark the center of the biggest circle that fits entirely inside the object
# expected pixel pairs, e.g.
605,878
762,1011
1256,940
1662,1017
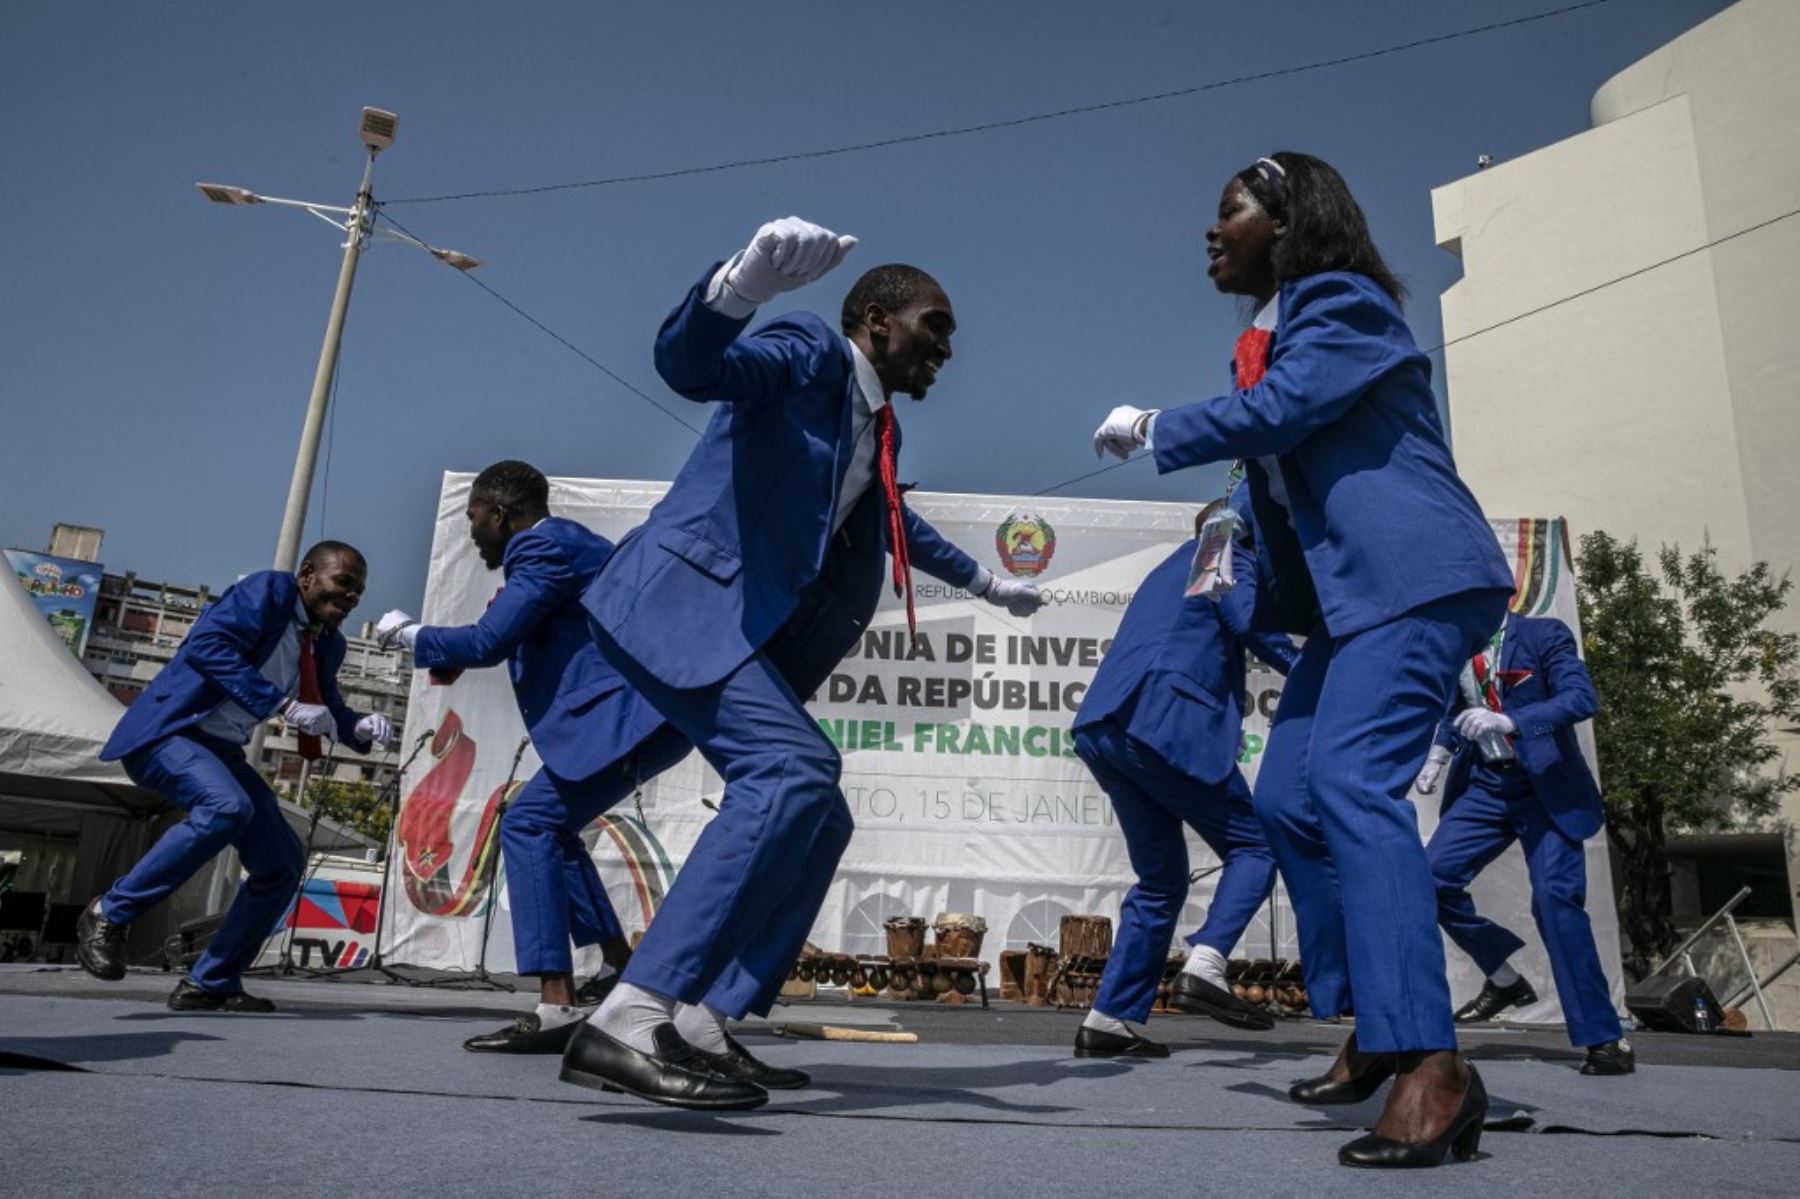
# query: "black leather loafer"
1461,1139
1613,1057
524,1035
737,1062
1091,1042
100,944
596,989
675,1074
186,997
1194,994
1494,1000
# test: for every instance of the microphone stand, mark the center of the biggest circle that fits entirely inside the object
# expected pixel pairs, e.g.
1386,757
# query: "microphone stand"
480,977
390,794
284,965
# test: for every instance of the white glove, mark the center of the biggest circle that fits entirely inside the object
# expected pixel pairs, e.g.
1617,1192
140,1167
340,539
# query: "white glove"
1122,431
783,255
396,627
1434,766
1020,599
1476,723
315,719
377,729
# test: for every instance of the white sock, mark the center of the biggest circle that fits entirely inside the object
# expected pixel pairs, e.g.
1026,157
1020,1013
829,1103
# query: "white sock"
701,1027
631,1013
1208,963
1506,976
1099,1021
555,1015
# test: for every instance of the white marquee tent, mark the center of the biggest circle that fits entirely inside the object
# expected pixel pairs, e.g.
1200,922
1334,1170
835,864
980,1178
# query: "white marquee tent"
56,794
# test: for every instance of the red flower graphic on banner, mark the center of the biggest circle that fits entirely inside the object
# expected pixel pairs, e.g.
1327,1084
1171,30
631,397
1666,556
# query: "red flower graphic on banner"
424,834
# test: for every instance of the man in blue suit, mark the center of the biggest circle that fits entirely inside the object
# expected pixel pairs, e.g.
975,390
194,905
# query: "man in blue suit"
1160,727
1515,773
694,610
596,739
269,645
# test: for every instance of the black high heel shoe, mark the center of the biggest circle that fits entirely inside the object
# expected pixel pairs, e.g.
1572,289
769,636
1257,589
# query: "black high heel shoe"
1461,1139
1324,1089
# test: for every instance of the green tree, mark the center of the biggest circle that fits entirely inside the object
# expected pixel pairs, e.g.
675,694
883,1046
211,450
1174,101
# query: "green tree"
1692,683
355,805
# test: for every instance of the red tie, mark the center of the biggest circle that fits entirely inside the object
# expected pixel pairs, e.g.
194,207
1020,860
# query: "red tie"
1251,358
310,748
887,462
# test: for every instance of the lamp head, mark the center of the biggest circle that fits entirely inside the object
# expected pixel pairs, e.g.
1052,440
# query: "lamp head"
220,193
377,129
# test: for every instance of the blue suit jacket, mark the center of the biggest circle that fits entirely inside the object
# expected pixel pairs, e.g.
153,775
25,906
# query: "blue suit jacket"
1175,671
722,561
1378,521
1547,706
581,715
221,662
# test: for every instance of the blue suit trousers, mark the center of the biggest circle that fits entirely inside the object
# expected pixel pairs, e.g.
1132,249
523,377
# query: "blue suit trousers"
1356,719
1497,808
1152,801
741,905
228,805
551,883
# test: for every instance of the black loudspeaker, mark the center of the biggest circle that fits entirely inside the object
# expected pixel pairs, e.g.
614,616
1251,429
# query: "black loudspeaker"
189,941
1669,1004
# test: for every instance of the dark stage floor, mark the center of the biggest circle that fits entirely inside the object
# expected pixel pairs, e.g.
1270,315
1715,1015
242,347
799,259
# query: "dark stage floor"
356,1087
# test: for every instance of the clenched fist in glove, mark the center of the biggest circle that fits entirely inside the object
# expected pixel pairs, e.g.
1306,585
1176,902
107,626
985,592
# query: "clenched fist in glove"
784,255
1476,723
1435,761
377,729
313,719
1020,599
1123,431
396,628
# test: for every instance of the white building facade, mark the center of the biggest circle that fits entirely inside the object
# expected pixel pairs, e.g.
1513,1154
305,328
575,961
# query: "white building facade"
1624,346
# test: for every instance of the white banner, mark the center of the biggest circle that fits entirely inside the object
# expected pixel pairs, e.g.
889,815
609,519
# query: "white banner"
958,762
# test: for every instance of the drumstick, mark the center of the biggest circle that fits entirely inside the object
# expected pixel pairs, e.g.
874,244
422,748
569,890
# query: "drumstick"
831,1032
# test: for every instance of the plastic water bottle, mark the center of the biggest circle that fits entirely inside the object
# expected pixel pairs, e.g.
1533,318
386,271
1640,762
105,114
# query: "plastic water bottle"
1702,1014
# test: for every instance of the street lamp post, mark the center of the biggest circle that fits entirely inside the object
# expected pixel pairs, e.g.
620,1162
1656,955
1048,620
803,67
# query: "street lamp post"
357,222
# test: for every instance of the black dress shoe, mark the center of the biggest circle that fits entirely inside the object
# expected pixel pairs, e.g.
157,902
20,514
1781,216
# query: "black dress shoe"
524,1035
186,997
1091,1042
737,1062
1613,1057
100,944
676,1074
1461,1139
1191,993
596,989
1325,1090
1493,1000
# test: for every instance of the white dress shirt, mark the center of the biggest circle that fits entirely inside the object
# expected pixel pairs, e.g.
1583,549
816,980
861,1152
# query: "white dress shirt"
228,721
870,398
1267,317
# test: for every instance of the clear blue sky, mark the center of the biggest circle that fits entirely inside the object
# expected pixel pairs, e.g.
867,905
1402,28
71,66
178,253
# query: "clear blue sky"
158,349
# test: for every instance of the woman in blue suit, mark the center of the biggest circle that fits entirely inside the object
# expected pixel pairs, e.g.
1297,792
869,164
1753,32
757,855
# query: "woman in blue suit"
1372,547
